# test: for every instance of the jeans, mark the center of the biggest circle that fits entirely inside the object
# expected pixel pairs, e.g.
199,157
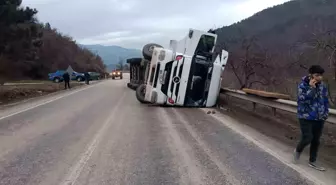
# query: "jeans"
311,132
66,84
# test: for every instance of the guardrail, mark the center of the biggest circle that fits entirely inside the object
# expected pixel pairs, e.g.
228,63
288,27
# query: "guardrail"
285,105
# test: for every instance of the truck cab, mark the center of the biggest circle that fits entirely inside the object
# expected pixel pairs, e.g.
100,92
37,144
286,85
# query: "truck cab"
187,73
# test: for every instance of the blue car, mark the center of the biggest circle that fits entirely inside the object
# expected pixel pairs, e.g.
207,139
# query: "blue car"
57,77
79,77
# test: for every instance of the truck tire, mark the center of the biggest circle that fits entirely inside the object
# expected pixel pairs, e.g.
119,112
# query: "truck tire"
147,50
140,93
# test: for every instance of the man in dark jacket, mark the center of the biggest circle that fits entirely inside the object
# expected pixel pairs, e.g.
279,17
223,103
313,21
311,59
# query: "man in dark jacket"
87,78
313,110
66,78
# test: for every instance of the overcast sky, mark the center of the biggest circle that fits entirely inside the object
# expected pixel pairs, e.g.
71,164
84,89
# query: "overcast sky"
133,23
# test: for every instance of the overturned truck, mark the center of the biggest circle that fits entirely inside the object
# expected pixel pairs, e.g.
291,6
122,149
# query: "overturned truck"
188,73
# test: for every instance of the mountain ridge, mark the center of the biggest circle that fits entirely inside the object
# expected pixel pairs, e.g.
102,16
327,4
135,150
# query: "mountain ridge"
112,55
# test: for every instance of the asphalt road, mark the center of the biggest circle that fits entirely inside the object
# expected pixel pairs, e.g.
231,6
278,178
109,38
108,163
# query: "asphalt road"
102,135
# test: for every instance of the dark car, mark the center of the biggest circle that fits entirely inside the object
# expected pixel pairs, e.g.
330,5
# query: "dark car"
94,76
117,73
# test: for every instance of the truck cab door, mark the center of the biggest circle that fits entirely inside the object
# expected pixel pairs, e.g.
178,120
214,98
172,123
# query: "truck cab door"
216,79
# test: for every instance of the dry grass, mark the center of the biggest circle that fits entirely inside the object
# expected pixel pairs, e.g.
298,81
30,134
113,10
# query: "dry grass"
14,93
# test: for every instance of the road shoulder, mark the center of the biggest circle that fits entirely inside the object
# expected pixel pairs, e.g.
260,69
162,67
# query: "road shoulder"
28,104
275,148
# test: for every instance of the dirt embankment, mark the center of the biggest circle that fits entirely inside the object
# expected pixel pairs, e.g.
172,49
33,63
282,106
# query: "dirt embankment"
283,127
13,93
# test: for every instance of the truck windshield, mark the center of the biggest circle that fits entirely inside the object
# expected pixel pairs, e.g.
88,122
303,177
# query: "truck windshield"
206,44
156,74
151,79
167,72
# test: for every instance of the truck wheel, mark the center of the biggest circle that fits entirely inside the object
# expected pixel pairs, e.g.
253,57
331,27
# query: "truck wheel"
57,80
121,77
113,77
140,93
147,50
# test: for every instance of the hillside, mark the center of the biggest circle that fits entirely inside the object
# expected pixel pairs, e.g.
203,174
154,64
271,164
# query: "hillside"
273,48
279,18
112,55
30,49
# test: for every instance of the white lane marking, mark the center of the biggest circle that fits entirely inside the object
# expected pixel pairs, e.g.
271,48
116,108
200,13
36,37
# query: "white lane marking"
247,136
188,167
76,169
225,170
49,101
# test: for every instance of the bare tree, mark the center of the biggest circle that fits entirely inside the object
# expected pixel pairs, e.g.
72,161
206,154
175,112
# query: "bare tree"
126,67
250,65
326,42
120,64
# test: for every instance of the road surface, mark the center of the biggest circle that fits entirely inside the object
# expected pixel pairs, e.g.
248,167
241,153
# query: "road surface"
101,135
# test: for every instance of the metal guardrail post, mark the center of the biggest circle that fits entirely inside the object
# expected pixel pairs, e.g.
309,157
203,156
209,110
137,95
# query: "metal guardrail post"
274,111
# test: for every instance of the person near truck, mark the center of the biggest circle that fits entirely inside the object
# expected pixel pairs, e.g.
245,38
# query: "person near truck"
66,78
313,110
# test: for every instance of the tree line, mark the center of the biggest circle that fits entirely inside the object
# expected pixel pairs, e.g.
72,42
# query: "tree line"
30,49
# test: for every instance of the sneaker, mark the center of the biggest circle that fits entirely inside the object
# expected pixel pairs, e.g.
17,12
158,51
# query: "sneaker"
316,166
296,156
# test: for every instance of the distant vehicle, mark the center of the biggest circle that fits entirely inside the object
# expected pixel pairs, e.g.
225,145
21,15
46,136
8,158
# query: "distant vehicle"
94,76
117,73
57,77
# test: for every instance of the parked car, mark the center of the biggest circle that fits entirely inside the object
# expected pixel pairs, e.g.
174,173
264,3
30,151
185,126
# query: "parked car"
79,77
94,76
57,77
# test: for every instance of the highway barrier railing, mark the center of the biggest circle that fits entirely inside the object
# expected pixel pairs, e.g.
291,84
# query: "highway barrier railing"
285,105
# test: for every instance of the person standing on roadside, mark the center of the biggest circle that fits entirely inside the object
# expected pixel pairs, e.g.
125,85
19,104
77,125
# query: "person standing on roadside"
87,78
66,78
313,110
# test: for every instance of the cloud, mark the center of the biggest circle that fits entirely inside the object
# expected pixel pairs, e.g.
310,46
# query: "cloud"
133,23
118,38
